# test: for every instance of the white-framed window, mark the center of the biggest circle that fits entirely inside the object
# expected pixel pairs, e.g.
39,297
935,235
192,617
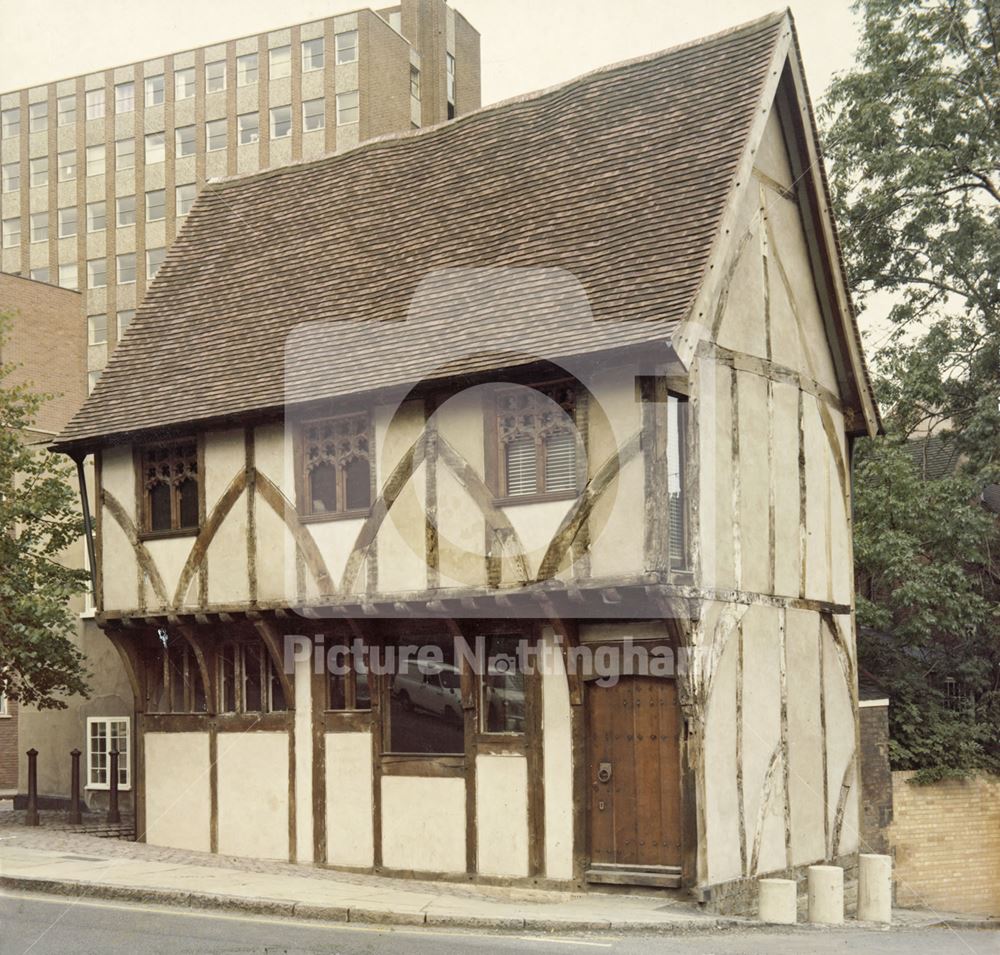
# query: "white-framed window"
40,275
154,259
246,69
97,329
313,54
185,196
97,216
66,110
215,76
248,128
40,227
348,108
67,222
184,81
215,135
156,150
38,171
68,275
450,65
94,100
279,62
67,165
95,160
97,273
156,205
103,735
155,90
38,117
10,232
313,114
4,711
10,122
124,320
10,176
125,266
281,122
125,97
125,154
184,141
125,210
414,82
347,47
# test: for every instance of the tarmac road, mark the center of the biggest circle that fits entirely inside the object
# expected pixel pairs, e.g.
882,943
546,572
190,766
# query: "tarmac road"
43,925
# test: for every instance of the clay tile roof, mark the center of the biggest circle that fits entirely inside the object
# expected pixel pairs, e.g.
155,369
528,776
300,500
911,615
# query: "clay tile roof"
394,260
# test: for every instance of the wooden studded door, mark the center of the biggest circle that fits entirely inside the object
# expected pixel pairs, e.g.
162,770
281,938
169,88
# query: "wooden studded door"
634,779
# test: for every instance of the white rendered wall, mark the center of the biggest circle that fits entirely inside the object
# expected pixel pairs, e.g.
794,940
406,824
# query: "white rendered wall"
177,789
350,838
423,824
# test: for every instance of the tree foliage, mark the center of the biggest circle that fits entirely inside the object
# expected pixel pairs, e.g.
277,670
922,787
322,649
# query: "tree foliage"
913,138
39,520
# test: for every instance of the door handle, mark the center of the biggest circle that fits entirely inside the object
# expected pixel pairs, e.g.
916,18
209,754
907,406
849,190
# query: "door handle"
604,773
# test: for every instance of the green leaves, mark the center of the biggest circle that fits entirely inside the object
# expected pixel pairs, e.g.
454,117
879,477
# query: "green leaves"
913,138
39,523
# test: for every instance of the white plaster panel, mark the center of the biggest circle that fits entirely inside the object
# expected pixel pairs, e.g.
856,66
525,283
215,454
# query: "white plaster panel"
276,569
557,745
225,460
785,476
742,328
303,727
178,798
274,457
423,824
350,831
772,155
253,818
842,560
170,554
840,718
536,525
402,554
461,533
817,501
616,524
754,521
118,477
715,473
805,736
502,815
118,567
228,580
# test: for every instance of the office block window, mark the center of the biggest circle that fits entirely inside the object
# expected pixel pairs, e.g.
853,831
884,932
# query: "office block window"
95,160
10,176
97,273
246,70
313,54
281,122
126,268
125,210
248,126
66,110
347,47
95,104
348,108
96,216
184,81
215,134
155,90
124,320
156,205
414,82
38,171
155,148
38,117
10,232
67,222
125,98
68,275
184,141
279,62
215,76
10,122
313,114
97,329
67,166
154,259
125,154
450,62
185,196
40,275
40,227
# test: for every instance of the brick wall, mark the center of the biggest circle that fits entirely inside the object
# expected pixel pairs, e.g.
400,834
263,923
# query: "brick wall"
946,840
876,778
8,748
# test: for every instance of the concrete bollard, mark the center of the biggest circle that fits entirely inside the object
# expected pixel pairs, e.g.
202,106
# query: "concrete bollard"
826,894
777,901
875,888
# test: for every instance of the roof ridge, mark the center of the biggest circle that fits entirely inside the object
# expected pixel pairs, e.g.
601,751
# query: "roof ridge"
409,134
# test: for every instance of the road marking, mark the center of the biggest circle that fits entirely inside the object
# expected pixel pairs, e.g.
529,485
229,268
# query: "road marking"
303,923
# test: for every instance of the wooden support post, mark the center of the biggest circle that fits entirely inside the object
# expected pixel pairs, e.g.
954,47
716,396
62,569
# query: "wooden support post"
114,816
74,795
31,815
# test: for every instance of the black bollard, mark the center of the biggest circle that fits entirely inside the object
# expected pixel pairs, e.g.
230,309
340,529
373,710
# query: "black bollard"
31,815
74,806
114,816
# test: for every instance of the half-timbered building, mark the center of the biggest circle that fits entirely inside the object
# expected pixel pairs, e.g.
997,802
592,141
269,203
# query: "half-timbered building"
577,372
